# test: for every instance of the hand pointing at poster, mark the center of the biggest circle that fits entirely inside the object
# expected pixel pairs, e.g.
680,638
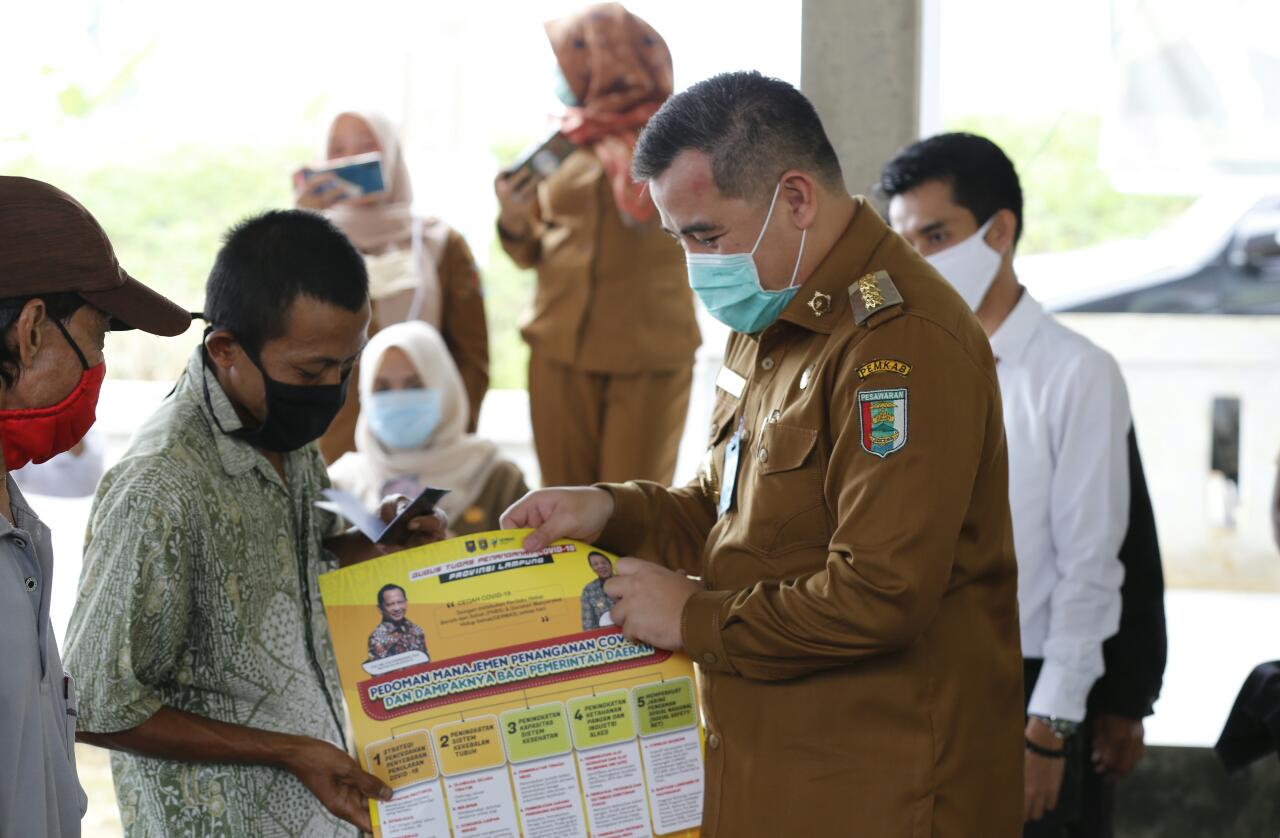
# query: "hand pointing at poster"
552,514
648,602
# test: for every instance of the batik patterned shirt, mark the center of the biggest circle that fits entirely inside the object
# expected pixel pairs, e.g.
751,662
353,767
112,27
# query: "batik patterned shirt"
595,604
199,593
396,638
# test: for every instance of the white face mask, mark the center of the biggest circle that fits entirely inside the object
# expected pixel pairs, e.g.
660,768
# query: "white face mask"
969,266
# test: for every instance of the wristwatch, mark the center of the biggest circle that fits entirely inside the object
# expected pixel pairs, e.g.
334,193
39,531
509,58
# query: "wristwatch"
1062,728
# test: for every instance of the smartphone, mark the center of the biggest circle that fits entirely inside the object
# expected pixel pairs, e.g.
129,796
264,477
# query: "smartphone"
544,158
348,506
424,504
356,176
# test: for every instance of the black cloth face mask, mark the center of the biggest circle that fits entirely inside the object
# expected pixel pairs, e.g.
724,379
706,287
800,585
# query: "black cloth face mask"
296,414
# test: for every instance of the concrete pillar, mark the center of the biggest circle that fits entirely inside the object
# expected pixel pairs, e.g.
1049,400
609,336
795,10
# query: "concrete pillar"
867,67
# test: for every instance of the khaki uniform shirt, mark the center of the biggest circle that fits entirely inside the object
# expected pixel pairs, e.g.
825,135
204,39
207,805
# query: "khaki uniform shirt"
858,636
199,593
599,279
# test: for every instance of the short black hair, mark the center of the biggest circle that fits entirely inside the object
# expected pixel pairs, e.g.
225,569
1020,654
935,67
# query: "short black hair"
982,177
61,306
390,587
268,261
752,127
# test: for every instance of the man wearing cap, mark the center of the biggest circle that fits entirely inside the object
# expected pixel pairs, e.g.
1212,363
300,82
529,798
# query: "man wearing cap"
61,291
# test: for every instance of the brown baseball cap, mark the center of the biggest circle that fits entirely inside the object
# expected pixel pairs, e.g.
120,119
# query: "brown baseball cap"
50,244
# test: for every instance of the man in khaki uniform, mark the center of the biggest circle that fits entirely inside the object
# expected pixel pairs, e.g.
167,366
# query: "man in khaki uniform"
612,331
856,620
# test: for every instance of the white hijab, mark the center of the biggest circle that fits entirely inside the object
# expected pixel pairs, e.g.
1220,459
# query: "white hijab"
450,459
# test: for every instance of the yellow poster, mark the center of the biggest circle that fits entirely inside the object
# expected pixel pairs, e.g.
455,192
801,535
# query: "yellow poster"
488,688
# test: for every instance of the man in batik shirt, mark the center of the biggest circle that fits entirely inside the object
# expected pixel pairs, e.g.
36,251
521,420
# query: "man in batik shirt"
396,634
595,602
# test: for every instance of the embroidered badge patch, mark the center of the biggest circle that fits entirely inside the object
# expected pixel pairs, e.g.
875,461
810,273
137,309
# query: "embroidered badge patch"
884,365
883,414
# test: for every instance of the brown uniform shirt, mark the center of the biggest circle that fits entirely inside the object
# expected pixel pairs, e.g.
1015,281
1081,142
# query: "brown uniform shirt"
609,298
462,325
858,638
504,486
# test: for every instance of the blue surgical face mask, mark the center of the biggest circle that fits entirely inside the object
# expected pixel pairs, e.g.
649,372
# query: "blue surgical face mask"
562,89
729,285
403,419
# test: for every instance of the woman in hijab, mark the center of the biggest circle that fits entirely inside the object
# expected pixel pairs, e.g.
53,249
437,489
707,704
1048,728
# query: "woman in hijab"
412,433
419,268
612,331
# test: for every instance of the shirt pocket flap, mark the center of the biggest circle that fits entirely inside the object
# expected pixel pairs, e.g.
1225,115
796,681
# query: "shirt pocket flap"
785,447
723,418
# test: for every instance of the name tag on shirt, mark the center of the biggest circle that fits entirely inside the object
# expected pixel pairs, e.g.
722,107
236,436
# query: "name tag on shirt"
730,382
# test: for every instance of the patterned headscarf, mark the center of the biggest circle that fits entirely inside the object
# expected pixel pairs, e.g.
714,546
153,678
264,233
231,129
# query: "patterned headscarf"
619,69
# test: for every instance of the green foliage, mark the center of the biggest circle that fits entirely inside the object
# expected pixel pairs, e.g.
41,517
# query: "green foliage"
1069,201
74,101
77,102
507,291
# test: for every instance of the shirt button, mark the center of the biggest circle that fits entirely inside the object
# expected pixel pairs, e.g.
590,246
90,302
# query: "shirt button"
20,544
767,364
31,583
746,436
710,658
713,741
764,455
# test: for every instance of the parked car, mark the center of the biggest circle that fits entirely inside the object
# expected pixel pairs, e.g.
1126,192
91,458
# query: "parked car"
1221,257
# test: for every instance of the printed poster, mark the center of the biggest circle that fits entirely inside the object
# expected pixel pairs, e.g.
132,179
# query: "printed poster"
488,688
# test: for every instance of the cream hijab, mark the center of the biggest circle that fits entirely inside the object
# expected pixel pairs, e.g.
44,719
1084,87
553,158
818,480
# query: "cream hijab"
401,251
451,459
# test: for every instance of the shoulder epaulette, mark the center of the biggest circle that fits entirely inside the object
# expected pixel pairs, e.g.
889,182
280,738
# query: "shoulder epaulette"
871,295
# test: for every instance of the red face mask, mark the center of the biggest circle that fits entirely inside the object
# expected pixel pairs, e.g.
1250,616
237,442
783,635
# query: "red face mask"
37,434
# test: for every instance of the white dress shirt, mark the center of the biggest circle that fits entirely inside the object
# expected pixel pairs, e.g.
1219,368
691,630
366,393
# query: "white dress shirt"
1066,419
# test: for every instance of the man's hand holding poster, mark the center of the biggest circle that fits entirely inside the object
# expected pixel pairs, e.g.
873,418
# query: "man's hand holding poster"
489,689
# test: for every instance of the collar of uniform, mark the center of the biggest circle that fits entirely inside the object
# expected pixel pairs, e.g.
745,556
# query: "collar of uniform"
846,260
24,517
1011,339
238,457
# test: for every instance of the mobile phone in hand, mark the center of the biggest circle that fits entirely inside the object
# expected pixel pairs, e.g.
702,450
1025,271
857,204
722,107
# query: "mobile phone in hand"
374,528
356,176
543,159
